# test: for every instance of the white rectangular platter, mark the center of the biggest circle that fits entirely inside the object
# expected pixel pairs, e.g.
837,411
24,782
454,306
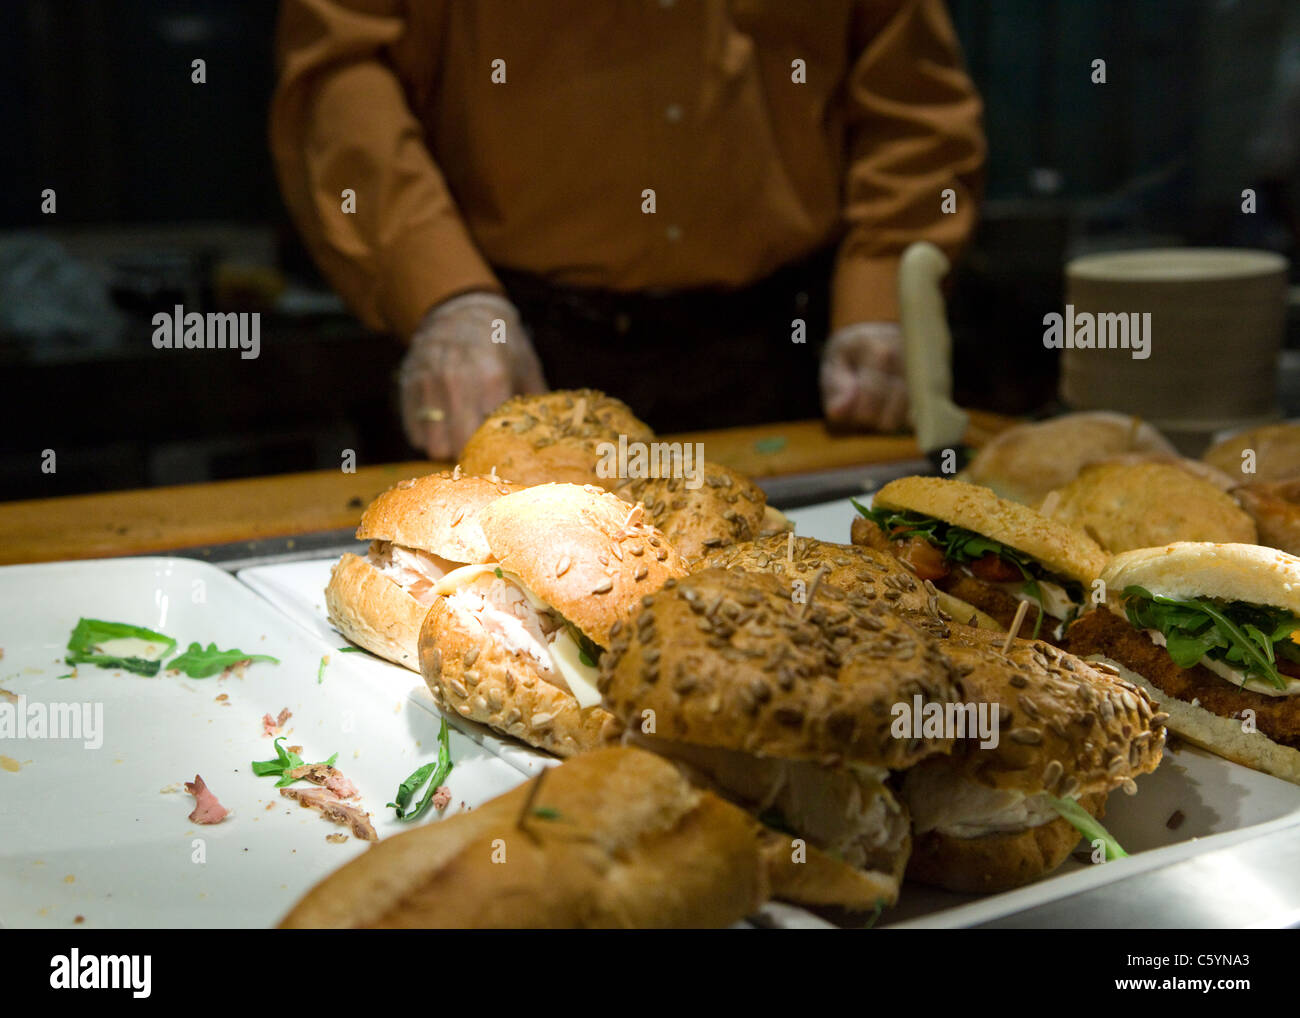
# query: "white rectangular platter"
103,833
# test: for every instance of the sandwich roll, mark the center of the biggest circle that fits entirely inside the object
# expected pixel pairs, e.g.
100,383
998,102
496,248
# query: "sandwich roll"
514,642
784,707
613,838
723,509
551,437
984,550
1213,628
983,818
420,530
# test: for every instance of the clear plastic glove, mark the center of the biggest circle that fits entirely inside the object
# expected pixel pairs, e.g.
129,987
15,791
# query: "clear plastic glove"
454,375
862,377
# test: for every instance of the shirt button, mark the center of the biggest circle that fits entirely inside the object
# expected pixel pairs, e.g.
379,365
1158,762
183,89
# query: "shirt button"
673,114
673,232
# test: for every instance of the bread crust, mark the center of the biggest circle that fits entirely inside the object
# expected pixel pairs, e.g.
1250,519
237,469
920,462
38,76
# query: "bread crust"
1066,728
1275,508
1230,572
1276,448
727,508
374,612
1061,549
724,658
1123,506
1027,461
995,862
551,437
471,674
437,513
820,880
622,841
581,550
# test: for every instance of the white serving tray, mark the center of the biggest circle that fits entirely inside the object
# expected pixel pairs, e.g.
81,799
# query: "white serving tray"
91,833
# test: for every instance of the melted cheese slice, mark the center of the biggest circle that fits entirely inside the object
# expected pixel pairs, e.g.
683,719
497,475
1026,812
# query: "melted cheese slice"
1056,602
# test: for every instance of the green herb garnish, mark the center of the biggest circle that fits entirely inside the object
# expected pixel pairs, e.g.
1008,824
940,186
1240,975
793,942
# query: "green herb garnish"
284,762
547,813
434,773
350,650
588,650
497,572
320,672
1088,825
198,663
1249,637
86,638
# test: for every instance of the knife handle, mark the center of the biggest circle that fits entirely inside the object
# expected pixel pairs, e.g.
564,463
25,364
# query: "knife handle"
927,349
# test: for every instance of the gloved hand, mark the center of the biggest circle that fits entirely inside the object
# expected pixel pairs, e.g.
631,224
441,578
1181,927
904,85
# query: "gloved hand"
454,375
862,376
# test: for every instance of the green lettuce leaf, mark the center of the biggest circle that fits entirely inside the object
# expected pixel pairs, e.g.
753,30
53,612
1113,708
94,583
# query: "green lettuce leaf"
285,761
198,663
1088,825
86,638
435,773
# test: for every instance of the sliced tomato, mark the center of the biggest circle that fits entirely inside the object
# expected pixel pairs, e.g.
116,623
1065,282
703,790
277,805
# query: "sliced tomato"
993,569
923,558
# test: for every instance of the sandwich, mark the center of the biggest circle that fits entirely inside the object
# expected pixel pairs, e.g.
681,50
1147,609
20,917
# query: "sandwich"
1208,629
613,838
984,550
514,642
1001,812
419,530
868,572
783,704
554,437
1027,461
1123,506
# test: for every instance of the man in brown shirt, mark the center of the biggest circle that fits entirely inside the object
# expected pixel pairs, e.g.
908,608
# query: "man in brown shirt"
683,196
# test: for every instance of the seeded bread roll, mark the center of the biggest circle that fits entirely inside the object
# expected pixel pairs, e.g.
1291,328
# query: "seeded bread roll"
996,862
551,437
873,574
1061,549
1066,729
583,551
613,838
1275,449
1230,572
1027,461
374,612
438,514
479,679
1123,506
726,508
727,659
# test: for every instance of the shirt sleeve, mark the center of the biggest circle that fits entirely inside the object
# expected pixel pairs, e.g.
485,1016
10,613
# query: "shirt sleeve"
913,130
340,119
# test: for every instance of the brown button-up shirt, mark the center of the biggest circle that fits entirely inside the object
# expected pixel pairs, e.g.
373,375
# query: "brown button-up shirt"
527,135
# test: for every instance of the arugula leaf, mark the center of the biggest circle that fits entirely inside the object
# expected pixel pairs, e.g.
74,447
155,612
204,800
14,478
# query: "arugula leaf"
1248,637
588,651
320,672
434,773
86,638
350,650
198,663
1088,825
547,813
285,761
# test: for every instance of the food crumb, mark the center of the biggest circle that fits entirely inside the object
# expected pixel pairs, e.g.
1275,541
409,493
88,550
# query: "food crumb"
223,696
1175,820
337,838
270,806
9,764
8,696
69,879
170,789
79,919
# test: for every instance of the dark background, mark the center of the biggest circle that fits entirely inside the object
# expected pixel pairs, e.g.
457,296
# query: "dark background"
166,195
